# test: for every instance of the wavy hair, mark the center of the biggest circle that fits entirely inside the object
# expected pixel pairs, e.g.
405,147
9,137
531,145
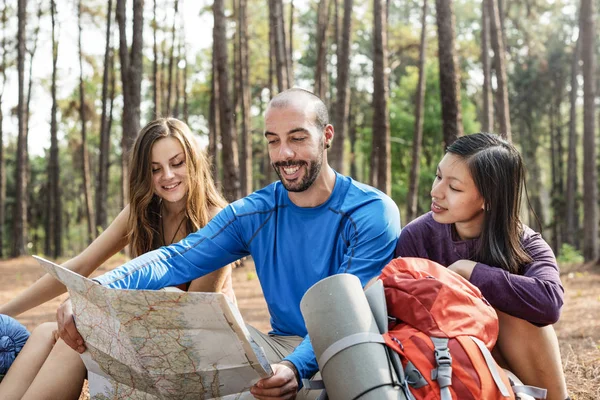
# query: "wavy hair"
498,172
144,216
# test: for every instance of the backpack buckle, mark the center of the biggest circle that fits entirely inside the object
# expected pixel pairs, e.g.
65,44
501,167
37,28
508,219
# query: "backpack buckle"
443,357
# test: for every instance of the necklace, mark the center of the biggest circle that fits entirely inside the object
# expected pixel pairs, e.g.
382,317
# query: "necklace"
162,229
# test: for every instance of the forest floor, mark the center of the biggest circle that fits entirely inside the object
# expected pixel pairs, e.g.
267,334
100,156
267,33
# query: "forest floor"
578,329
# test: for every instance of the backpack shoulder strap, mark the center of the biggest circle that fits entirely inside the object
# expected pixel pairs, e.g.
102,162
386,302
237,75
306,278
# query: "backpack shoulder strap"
443,372
492,366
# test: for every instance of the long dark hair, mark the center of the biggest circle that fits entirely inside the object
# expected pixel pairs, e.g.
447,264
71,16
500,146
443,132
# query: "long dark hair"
498,172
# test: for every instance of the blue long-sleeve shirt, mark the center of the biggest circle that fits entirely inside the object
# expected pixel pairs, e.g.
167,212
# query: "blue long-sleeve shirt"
354,231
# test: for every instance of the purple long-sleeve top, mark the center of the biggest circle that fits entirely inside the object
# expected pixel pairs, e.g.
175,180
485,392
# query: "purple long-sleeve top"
535,295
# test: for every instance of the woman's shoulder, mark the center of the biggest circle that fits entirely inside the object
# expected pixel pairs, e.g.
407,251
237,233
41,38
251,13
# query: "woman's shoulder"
528,235
213,211
423,225
533,242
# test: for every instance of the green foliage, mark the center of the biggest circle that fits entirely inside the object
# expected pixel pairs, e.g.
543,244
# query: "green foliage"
569,255
539,35
402,120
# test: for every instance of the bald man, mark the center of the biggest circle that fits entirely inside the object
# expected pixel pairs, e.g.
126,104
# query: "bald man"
311,224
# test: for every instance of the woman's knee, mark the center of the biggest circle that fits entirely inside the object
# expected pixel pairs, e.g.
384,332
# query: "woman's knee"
513,330
45,331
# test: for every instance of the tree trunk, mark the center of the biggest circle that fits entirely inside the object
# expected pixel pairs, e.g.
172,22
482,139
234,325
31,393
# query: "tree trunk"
103,162
246,132
413,186
171,58
236,76
281,67
183,56
488,102
590,172
177,84
228,140
131,77
352,137
54,227
321,67
31,52
2,160
213,121
20,216
572,205
290,41
556,160
112,101
31,213
336,155
529,143
449,73
87,189
164,67
272,61
381,123
155,90
500,68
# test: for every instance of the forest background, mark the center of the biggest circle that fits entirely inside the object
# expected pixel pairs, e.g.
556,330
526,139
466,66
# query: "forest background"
402,78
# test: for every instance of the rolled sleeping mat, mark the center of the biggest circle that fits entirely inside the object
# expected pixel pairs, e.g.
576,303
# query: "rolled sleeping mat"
348,345
13,336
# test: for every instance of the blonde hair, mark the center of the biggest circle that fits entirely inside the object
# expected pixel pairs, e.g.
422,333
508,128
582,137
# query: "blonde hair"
202,196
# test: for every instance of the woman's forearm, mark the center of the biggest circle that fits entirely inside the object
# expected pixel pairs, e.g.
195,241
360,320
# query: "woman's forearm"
44,289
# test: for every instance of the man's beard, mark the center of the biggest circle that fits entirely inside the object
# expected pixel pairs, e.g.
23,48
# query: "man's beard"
314,167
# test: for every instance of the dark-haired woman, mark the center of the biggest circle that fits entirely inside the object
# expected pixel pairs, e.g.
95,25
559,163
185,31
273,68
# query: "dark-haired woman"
474,229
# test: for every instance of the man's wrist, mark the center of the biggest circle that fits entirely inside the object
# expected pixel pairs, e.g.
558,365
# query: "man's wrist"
291,366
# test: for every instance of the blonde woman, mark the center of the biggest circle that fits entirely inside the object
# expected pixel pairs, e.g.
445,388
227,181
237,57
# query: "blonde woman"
171,194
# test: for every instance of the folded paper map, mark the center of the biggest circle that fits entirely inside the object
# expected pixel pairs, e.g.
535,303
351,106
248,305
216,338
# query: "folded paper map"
146,344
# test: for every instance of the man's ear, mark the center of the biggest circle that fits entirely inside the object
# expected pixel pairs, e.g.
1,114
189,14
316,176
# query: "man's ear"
328,133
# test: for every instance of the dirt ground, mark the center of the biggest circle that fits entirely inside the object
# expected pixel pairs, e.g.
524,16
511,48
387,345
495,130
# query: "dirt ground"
578,329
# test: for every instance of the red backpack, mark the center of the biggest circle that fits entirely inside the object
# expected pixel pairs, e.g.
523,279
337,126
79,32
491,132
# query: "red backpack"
443,330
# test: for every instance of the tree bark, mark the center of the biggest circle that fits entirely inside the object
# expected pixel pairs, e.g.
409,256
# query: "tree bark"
281,66
186,108
556,161
2,160
246,132
177,83
488,102
171,58
54,227
31,52
449,73
352,137
272,60
163,71
572,205
20,216
500,68
213,121
228,140
590,172
321,66
381,123
131,77
155,90
290,43
336,155
86,175
413,186
103,161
